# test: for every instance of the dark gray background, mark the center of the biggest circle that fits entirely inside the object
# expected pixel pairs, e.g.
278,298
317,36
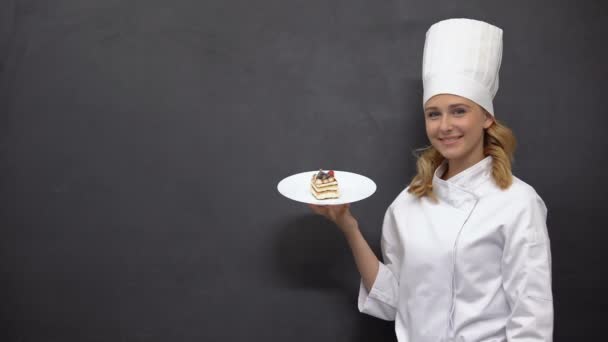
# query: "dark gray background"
142,141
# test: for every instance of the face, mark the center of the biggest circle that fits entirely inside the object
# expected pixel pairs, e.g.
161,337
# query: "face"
455,127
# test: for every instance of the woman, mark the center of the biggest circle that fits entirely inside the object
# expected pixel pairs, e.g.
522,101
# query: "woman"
465,248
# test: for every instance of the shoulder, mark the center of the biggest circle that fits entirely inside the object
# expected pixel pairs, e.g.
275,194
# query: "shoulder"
403,200
525,212
521,195
524,191
398,211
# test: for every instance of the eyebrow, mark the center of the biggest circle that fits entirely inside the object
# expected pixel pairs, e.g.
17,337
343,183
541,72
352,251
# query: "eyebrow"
450,106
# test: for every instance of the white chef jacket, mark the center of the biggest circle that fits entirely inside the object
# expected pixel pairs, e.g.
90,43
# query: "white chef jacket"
474,266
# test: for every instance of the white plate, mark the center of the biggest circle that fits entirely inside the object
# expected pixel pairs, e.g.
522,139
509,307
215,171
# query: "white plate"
353,187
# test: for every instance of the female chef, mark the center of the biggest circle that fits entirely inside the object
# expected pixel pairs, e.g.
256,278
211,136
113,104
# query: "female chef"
465,248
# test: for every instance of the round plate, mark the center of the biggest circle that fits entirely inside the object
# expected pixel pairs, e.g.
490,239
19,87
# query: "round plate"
353,187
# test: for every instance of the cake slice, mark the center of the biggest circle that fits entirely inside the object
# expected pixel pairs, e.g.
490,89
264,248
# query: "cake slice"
324,185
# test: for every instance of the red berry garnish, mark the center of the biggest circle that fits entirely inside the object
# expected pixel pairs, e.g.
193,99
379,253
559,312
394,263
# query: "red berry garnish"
331,173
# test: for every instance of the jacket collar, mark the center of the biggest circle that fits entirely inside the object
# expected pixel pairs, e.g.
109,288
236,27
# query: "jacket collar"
460,190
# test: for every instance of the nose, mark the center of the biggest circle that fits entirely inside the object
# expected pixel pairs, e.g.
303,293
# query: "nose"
446,123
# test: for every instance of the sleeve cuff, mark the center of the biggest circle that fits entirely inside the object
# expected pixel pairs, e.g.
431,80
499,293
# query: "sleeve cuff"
382,300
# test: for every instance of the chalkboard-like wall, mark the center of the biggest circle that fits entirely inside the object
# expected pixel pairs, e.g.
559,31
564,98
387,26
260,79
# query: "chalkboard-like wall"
141,143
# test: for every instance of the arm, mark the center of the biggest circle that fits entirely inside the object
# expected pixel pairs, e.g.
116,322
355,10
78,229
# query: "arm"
381,298
527,275
378,291
365,259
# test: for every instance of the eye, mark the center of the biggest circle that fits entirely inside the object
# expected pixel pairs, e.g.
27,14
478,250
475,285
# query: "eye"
459,111
433,115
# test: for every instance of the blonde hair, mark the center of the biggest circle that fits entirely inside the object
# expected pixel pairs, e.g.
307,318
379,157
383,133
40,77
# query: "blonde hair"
499,142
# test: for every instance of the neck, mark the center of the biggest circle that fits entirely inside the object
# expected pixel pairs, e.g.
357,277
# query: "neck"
457,166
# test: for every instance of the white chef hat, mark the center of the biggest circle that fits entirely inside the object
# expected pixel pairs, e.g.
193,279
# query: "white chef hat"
462,57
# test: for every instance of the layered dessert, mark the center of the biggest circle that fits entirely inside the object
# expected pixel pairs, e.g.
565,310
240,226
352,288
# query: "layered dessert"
324,185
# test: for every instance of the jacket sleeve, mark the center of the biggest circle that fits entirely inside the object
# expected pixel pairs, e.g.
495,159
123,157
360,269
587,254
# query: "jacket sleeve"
526,266
381,301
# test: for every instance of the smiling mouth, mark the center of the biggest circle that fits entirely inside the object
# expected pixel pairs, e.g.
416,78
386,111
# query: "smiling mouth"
449,141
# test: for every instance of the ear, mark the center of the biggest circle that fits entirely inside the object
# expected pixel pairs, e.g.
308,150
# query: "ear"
488,120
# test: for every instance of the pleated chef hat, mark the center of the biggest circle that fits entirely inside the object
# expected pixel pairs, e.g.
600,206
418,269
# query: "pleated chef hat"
462,57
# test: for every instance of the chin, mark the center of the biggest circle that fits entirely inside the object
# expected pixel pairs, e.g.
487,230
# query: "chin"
449,154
